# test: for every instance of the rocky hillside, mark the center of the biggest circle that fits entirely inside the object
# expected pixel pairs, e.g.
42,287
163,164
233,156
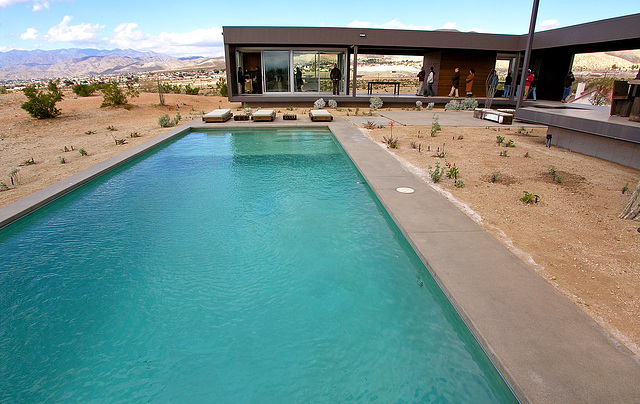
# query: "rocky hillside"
25,65
623,60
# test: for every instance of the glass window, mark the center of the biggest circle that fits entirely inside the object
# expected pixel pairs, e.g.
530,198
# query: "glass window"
276,71
305,71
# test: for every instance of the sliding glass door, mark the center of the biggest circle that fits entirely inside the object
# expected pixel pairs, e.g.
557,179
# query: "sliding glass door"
276,71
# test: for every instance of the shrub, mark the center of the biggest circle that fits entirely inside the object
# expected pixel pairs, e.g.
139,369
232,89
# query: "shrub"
165,121
459,184
430,105
375,103
332,103
221,87
83,90
390,141
13,175
83,152
319,104
42,104
436,173
3,186
112,95
191,90
467,104
453,105
419,105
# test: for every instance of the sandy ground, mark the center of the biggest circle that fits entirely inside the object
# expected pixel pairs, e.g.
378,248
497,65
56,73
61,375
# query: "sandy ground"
572,237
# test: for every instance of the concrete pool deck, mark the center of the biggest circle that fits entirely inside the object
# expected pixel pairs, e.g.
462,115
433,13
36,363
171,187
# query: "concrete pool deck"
546,348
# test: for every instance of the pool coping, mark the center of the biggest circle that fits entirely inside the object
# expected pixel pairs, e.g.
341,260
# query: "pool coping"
546,348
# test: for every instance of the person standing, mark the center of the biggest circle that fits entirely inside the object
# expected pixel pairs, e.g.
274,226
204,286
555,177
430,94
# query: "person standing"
507,85
568,82
469,87
430,80
335,76
421,75
240,80
527,84
298,79
455,83
534,84
257,89
492,84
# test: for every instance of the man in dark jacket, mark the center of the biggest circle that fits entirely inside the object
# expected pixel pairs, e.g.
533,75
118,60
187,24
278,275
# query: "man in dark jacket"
455,83
335,76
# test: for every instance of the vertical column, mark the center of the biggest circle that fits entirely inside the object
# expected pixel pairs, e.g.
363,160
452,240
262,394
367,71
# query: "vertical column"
355,70
527,52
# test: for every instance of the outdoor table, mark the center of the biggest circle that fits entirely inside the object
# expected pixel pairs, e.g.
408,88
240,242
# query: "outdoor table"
396,86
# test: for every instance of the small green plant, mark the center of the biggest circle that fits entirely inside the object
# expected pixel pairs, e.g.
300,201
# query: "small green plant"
62,160
499,140
452,171
356,111
461,137
413,145
494,176
530,197
459,184
67,149
90,132
29,162
119,141
134,135
111,128
625,188
435,125
523,131
14,175
390,141
370,125
504,153
3,186
554,175
83,152
289,108
42,104
526,155
510,143
436,173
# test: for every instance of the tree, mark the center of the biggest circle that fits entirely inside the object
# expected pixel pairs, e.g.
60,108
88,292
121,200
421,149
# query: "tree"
42,104
632,210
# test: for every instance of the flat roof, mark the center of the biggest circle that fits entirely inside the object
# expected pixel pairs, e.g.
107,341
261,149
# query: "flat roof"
620,33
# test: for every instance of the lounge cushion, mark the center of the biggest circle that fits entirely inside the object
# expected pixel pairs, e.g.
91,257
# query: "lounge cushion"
264,115
320,115
218,115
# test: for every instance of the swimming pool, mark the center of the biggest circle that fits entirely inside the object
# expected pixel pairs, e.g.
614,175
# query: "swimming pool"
229,267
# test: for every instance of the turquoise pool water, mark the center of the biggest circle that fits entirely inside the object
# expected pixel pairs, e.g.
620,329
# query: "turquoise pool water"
234,268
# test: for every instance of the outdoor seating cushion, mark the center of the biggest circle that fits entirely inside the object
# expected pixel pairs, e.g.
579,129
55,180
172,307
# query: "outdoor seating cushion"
320,114
263,113
217,115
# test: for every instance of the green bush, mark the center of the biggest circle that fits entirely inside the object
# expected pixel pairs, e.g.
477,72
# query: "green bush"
191,90
83,90
42,104
221,87
112,95
165,121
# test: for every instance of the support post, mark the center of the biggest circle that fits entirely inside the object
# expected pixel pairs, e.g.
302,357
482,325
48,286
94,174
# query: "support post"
355,70
527,53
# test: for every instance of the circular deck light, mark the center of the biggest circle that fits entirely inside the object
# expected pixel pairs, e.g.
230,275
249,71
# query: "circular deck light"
405,190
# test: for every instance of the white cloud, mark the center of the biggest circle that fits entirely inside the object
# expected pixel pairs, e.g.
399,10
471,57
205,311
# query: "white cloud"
39,5
82,33
547,24
393,24
449,25
30,34
5,3
201,42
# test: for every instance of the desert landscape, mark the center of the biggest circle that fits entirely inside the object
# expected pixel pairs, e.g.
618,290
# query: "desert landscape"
572,236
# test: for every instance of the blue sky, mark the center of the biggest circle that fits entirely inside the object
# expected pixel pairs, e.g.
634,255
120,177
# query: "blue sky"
194,27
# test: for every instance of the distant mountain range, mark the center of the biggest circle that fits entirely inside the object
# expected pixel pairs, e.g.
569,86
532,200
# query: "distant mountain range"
66,63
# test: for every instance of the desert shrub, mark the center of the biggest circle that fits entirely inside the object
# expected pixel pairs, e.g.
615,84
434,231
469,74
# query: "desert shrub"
165,121
112,95
3,90
221,87
83,90
436,173
467,104
419,105
375,103
430,105
171,88
42,104
390,141
83,152
191,90
332,103
319,103
3,186
453,105
459,184
529,197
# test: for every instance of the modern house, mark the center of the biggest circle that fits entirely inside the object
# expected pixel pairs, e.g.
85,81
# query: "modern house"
293,63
